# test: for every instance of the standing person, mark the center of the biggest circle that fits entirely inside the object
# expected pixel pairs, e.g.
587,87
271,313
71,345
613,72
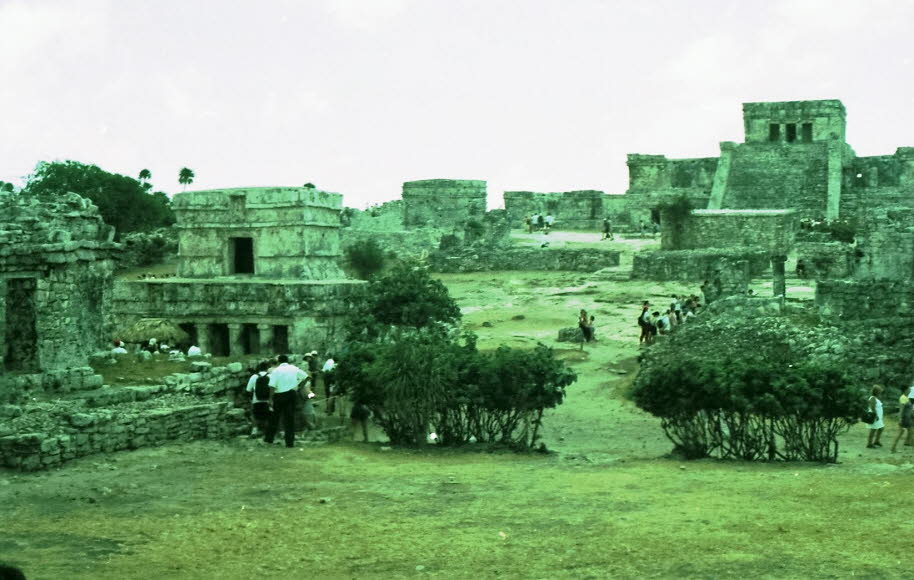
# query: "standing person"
641,228
329,383
550,220
259,387
875,428
584,323
284,382
527,224
643,320
534,222
905,418
607,230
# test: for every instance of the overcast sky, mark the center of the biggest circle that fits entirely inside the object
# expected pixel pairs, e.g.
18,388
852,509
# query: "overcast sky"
358,96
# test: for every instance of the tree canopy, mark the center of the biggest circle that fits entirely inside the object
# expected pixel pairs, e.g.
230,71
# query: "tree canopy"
122,201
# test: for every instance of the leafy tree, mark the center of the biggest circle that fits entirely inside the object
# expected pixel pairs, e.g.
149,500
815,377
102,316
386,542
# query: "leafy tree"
366,258
309,185
122,201
6,186
185,177
408,297
145,175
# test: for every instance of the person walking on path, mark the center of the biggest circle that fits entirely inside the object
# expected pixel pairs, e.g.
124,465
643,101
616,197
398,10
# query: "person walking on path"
329,383
905,418
607,230
259,387
284,382
643,321
875,406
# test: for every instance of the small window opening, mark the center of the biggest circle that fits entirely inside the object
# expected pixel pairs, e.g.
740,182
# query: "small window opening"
250,339
791,132
807,132
774,132
241,255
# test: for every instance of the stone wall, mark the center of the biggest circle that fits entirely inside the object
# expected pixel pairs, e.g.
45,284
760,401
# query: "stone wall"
294,232
826,260
774,230
572,210
185,406
443,203
826,119
655,179
531,259
56,265
865,299
699,265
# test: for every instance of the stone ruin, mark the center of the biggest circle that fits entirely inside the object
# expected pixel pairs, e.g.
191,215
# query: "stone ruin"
257,272
56,265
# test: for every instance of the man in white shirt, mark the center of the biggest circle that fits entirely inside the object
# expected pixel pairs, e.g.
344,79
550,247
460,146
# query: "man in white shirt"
284,382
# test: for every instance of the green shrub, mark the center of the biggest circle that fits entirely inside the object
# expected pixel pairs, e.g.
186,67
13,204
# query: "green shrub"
366,258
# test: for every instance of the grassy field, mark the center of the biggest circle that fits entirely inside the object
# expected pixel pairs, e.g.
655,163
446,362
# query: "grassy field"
605,503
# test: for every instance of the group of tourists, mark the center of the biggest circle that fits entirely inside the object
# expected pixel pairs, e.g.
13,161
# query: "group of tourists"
655,322
283,395
876,423
538,221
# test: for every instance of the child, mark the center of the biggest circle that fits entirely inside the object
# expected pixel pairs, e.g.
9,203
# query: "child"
906,406
876,426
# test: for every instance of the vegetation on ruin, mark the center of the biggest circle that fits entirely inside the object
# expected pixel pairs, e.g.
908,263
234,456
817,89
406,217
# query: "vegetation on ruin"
366,258
747,391
122,201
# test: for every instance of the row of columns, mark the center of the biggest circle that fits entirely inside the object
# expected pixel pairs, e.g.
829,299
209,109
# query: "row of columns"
236,342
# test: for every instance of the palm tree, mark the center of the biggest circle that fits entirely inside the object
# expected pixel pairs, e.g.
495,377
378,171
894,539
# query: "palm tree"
145,175
185,177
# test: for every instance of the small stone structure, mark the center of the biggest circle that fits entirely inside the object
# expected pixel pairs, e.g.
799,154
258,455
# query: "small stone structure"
443,203
56,264
258,272
572,210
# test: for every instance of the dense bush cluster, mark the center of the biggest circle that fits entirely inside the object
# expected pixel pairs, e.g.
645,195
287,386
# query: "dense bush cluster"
747,392
406,365
366,258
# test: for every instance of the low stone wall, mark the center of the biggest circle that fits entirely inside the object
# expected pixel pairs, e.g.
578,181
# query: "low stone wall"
185,406
17,387
872,299
538,259
696,265
105,431
825,260
771,229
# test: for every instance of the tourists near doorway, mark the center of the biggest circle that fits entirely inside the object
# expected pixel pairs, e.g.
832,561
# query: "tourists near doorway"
905,418
875,428
284,381
259,387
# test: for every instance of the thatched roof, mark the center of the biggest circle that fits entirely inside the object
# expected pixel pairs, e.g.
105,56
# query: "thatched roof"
161,329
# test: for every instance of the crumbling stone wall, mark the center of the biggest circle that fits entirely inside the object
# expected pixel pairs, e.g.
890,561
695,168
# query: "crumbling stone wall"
827,260
655,179
865,299
885,181
294,232
572,210
774,230
531,259
443,203
56,263
701,265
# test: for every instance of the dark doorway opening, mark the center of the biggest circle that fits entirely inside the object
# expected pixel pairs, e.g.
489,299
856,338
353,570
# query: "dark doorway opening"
21,336
219,339
250,339
774,132
807,132
281,339
241,255
191,329
791,132
655,215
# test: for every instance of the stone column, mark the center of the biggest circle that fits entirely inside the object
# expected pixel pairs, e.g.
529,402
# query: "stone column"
777,267
203,338
835,172
721,175
235,340
266,338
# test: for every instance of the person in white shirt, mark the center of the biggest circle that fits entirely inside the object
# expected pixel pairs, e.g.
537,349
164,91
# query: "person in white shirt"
329,383
284,381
